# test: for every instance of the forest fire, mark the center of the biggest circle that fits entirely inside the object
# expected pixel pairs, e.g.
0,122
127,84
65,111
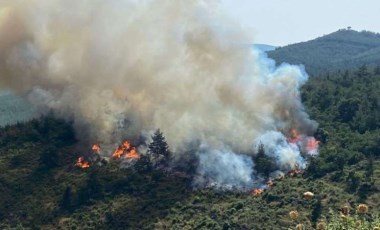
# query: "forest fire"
82,163
132,154
118,152
257,192
245,100
269,183
295,171
295,136
312,145
126,150
126,145
96,148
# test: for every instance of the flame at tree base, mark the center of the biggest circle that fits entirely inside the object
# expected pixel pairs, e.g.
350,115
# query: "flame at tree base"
300,142
127,150
96,148
295,136
82,163
257,192
132,154
312,146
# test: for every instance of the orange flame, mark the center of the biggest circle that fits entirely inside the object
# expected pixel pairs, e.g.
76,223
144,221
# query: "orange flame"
295,171
132,154
295,136
129,151
269,183
96,148
257,192
118,152
126,145
82,163
312,144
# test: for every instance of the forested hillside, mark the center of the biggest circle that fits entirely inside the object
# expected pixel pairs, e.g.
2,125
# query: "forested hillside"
344,49
41,188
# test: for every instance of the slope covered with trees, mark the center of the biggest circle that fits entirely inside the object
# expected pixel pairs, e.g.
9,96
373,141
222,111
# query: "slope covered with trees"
343,49
41,188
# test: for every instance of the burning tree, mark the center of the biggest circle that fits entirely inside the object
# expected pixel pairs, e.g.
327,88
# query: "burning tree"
159,149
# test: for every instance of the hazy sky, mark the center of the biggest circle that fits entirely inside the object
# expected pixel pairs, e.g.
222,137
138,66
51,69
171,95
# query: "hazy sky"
281,22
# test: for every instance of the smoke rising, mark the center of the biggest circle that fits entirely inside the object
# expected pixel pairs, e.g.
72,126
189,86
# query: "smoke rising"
123,68
224,169
286,154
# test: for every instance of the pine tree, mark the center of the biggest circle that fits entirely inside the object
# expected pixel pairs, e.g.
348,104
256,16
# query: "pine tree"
159,148
261,151
263,163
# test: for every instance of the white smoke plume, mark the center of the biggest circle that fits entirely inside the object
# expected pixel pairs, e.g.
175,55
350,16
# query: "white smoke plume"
224,169
126,67
285,154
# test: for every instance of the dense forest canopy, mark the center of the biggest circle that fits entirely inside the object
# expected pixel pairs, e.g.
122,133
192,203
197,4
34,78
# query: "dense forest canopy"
343,49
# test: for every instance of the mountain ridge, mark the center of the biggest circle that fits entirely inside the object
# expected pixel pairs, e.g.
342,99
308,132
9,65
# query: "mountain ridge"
264,47
343,49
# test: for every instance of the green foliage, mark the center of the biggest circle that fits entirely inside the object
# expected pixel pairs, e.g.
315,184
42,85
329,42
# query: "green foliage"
109,197
377,70
340,221
356,221
159,149
344,49
353,182
49,158
263,163
316,211
66,202
347,109
143,164
349,120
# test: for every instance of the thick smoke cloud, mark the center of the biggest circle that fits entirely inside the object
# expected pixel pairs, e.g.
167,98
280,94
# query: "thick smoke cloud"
223,169
122,68
285,154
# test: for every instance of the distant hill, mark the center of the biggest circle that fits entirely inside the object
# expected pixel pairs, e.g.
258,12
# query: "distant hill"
264,47
343,49
14,109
